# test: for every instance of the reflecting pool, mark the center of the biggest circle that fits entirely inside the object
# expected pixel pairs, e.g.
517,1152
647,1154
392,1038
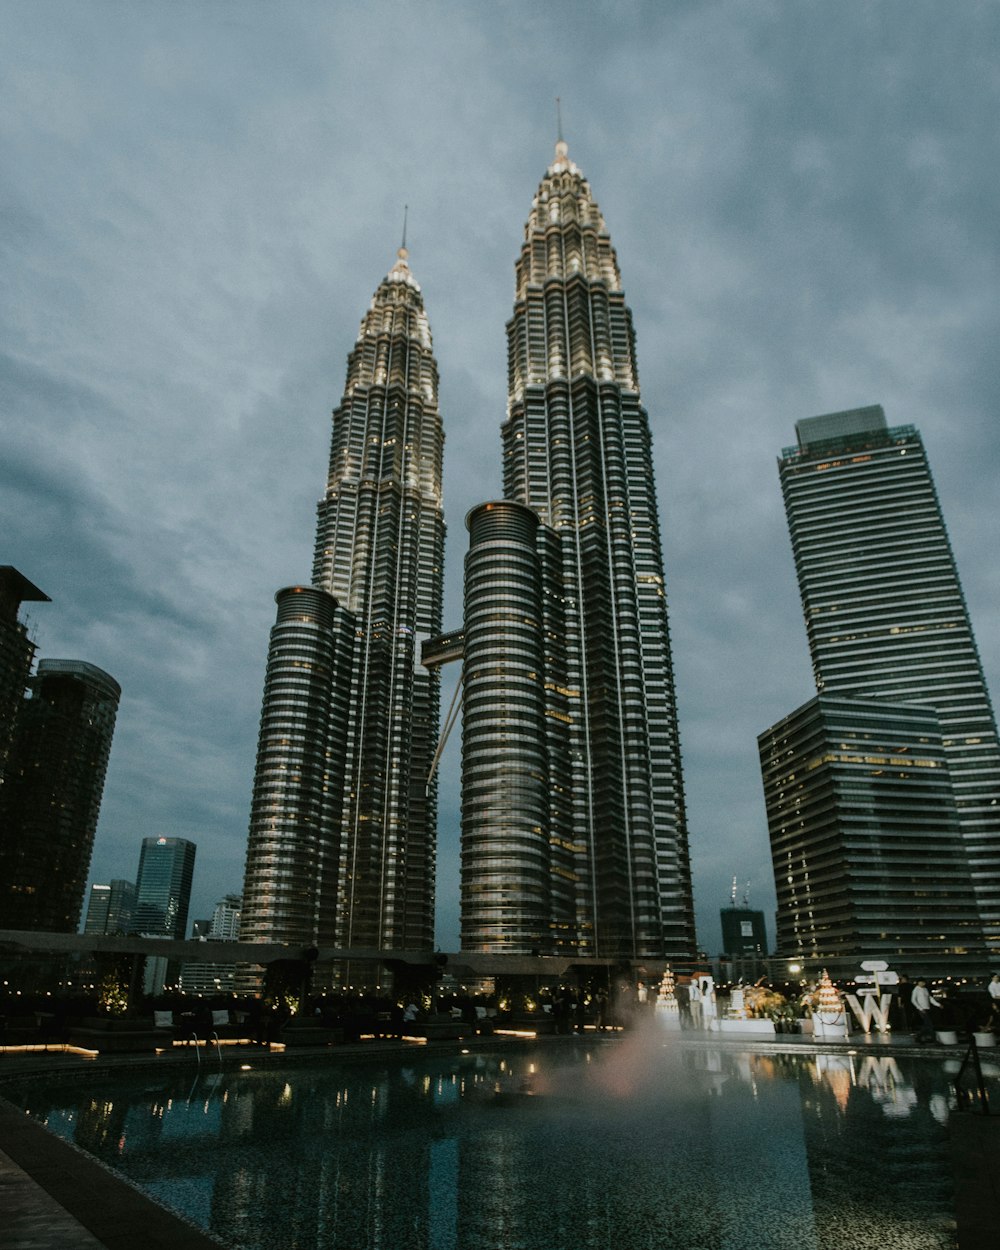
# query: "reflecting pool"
570,1146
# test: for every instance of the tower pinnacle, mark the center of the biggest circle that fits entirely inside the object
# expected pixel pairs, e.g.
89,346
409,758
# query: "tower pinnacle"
562,147
402,255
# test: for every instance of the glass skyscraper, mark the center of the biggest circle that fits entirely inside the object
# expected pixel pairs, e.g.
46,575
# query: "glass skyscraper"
574,830
163,887
885,615
110,908
867,850
343,822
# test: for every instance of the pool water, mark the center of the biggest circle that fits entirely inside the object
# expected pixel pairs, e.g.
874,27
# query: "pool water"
624,1145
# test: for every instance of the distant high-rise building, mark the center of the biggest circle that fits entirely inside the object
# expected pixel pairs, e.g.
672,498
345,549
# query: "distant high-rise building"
51,796
341,849
744,932
163,887
110,908
16,651
215,978
866,844
574,834
885,614
226,918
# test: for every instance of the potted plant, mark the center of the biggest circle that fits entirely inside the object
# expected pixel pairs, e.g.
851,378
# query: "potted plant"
808,1002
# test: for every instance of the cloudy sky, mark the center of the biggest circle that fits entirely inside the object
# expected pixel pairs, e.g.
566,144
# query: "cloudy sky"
197,201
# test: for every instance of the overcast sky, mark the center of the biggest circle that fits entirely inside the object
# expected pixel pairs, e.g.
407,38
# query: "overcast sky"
197,202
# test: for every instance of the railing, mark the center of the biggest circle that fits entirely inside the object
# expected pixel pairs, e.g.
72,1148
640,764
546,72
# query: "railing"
218,1047
962,1095
197,1049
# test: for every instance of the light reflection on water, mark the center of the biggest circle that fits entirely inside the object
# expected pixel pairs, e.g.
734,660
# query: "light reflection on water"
581,1145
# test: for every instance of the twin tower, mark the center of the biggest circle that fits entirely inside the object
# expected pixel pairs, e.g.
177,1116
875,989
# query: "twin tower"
574,837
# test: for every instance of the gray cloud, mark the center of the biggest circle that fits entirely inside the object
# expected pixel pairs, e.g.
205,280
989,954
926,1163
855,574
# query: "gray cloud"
199,201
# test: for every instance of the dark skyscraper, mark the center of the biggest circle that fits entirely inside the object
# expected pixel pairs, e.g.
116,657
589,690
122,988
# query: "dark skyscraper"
574,831
163,887
885,614
16,652
51,796
343,822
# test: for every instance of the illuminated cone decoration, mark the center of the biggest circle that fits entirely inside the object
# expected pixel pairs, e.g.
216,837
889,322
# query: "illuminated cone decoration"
666,1000
828,1002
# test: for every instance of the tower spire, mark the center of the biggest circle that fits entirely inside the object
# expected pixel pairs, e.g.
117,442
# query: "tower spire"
562,147
403,256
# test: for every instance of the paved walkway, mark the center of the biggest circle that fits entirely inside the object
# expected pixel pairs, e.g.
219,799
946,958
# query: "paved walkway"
54,1197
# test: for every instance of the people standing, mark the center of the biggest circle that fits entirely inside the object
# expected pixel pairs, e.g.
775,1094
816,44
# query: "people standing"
694,1001
922,1000
904,991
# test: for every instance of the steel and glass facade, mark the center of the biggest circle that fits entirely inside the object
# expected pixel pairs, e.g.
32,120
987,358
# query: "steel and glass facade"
110,908
343,823
291,882
615,877
885,615
163,887
520,868
866,845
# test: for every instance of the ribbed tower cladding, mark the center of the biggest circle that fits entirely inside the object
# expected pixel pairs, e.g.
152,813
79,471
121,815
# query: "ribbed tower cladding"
291,881
352,864
577,451
519,872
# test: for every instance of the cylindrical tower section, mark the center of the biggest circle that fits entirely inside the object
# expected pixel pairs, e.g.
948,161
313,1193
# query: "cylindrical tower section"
291,866
505,844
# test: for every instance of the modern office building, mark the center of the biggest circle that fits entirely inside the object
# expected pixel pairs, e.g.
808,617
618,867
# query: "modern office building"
869,860
574,830
17,651
110,908
51,796
343,822
163,887
885,615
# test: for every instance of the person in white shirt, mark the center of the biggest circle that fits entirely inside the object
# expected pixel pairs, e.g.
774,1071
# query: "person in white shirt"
922,1000
994,988
694,997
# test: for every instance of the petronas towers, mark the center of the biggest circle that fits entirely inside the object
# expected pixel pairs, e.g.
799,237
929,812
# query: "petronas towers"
573,820
574,834
343,817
